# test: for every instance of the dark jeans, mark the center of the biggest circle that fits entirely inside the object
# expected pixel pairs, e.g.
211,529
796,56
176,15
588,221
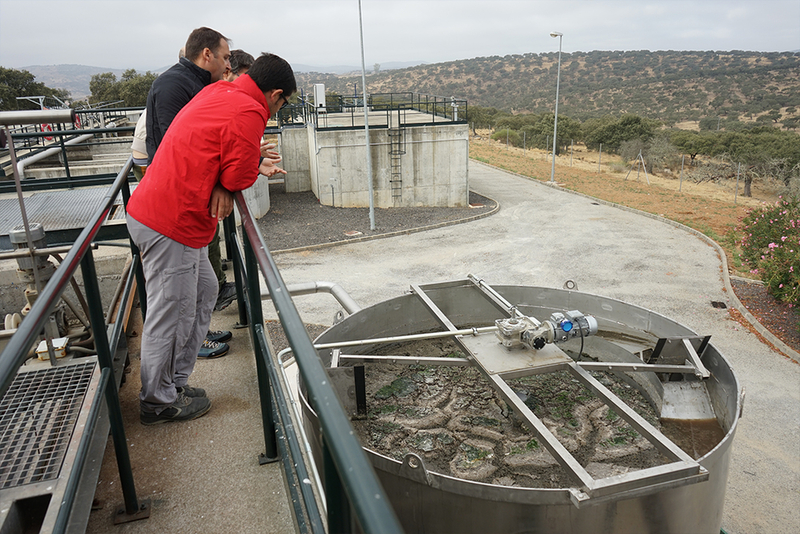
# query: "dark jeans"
215,257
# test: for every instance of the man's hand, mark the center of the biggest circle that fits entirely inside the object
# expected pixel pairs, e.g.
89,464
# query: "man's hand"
267,152
221,204
269,169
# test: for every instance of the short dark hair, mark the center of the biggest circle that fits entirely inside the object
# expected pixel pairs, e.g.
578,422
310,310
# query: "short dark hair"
240,60
203,38
272,72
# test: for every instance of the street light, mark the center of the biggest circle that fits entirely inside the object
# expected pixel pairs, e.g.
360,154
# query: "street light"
555,122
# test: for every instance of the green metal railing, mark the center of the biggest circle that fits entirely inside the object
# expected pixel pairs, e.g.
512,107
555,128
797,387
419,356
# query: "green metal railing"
18,347
441,109
350,481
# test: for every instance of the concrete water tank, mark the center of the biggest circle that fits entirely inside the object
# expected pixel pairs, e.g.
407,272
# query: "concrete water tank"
514,334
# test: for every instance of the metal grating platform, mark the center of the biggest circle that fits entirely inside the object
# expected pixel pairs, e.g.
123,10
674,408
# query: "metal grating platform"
62,213
37,419
56,210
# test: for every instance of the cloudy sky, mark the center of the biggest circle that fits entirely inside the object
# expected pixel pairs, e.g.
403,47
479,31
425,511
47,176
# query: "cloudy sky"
146,34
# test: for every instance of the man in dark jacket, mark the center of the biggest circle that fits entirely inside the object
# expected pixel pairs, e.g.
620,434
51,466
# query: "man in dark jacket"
207,58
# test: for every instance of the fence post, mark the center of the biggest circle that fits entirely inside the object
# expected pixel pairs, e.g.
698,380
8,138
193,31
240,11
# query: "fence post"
229,232
340,519
264,389
600,159
104,358
680,183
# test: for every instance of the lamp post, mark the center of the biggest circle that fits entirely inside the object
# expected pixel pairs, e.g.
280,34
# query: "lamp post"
555,122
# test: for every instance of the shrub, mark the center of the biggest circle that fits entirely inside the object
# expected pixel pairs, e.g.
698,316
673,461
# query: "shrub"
514,139
771,247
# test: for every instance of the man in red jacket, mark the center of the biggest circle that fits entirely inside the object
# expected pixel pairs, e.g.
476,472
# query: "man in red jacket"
210,150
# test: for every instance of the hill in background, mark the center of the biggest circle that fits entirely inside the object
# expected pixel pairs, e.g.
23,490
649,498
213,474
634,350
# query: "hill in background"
76,78
670,86
666,85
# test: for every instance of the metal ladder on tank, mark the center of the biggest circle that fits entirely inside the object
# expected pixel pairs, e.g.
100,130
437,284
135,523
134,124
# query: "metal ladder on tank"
397,149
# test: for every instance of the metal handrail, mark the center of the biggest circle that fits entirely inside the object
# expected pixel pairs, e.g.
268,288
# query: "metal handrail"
17,349
450,109
356,477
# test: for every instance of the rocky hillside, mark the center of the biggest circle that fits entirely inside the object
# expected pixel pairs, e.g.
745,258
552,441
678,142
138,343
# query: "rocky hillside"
666,85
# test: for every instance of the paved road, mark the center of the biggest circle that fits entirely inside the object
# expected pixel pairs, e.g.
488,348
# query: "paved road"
544,236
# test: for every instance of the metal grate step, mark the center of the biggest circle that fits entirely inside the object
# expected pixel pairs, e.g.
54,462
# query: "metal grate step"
37,419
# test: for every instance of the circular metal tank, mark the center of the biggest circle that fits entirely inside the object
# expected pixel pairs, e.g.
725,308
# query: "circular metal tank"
427,502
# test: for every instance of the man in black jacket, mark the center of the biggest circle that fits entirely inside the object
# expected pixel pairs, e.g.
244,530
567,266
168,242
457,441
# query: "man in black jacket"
207,58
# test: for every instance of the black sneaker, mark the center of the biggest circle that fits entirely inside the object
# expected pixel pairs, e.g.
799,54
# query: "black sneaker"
226,295
220,336
189,391
212,349
183,409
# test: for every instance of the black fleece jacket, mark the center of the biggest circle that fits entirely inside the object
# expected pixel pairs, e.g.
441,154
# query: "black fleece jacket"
170,92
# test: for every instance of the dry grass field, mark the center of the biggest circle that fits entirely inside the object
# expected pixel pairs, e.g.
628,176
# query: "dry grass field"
713,208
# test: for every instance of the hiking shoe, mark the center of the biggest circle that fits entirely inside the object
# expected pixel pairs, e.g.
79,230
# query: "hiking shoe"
189,391
212,349
219,336
226,295
183,409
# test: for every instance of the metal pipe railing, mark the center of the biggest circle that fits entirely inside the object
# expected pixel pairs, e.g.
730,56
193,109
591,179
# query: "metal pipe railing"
352,471
16,351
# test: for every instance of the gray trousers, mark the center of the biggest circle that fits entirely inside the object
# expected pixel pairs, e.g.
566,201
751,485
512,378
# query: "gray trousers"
181,293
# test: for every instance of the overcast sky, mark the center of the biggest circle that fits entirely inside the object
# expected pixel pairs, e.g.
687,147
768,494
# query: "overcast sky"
146,34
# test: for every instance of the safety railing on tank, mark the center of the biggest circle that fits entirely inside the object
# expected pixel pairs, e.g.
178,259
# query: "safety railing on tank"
351,484
439,109
19,345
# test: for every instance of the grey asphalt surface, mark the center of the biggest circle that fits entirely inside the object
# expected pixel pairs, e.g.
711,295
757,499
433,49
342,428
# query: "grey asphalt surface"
544,236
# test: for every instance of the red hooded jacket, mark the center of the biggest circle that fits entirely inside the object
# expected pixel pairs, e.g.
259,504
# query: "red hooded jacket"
214,139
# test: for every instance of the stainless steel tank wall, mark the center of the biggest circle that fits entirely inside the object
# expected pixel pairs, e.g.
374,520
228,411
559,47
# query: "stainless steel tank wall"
430,502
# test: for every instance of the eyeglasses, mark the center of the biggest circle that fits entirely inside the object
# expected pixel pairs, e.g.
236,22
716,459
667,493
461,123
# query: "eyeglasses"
285,100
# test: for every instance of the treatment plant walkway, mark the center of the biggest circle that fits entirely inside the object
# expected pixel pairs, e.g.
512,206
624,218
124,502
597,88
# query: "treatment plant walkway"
204,477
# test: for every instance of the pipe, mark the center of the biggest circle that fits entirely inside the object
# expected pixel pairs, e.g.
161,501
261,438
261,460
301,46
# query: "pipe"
21,164
310,288
62,116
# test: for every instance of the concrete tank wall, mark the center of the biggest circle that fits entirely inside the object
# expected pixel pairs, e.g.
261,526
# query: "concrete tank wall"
296,162
434,166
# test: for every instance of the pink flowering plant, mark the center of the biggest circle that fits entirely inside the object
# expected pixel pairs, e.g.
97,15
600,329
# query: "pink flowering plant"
771,247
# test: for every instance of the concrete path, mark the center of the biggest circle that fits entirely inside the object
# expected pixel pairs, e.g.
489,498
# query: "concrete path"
545,236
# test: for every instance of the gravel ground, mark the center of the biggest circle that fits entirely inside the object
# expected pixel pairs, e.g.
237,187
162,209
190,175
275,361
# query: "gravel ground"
297,220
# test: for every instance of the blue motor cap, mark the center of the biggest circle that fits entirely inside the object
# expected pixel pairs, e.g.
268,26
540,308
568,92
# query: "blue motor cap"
566,325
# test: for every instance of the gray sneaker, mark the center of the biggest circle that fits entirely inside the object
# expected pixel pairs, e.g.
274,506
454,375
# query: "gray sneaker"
189,391
183,409
220,336
211,349
226,295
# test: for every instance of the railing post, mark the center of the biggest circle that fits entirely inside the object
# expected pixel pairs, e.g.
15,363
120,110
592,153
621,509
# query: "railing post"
63,151
229,232
132,505
256,323
340,519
